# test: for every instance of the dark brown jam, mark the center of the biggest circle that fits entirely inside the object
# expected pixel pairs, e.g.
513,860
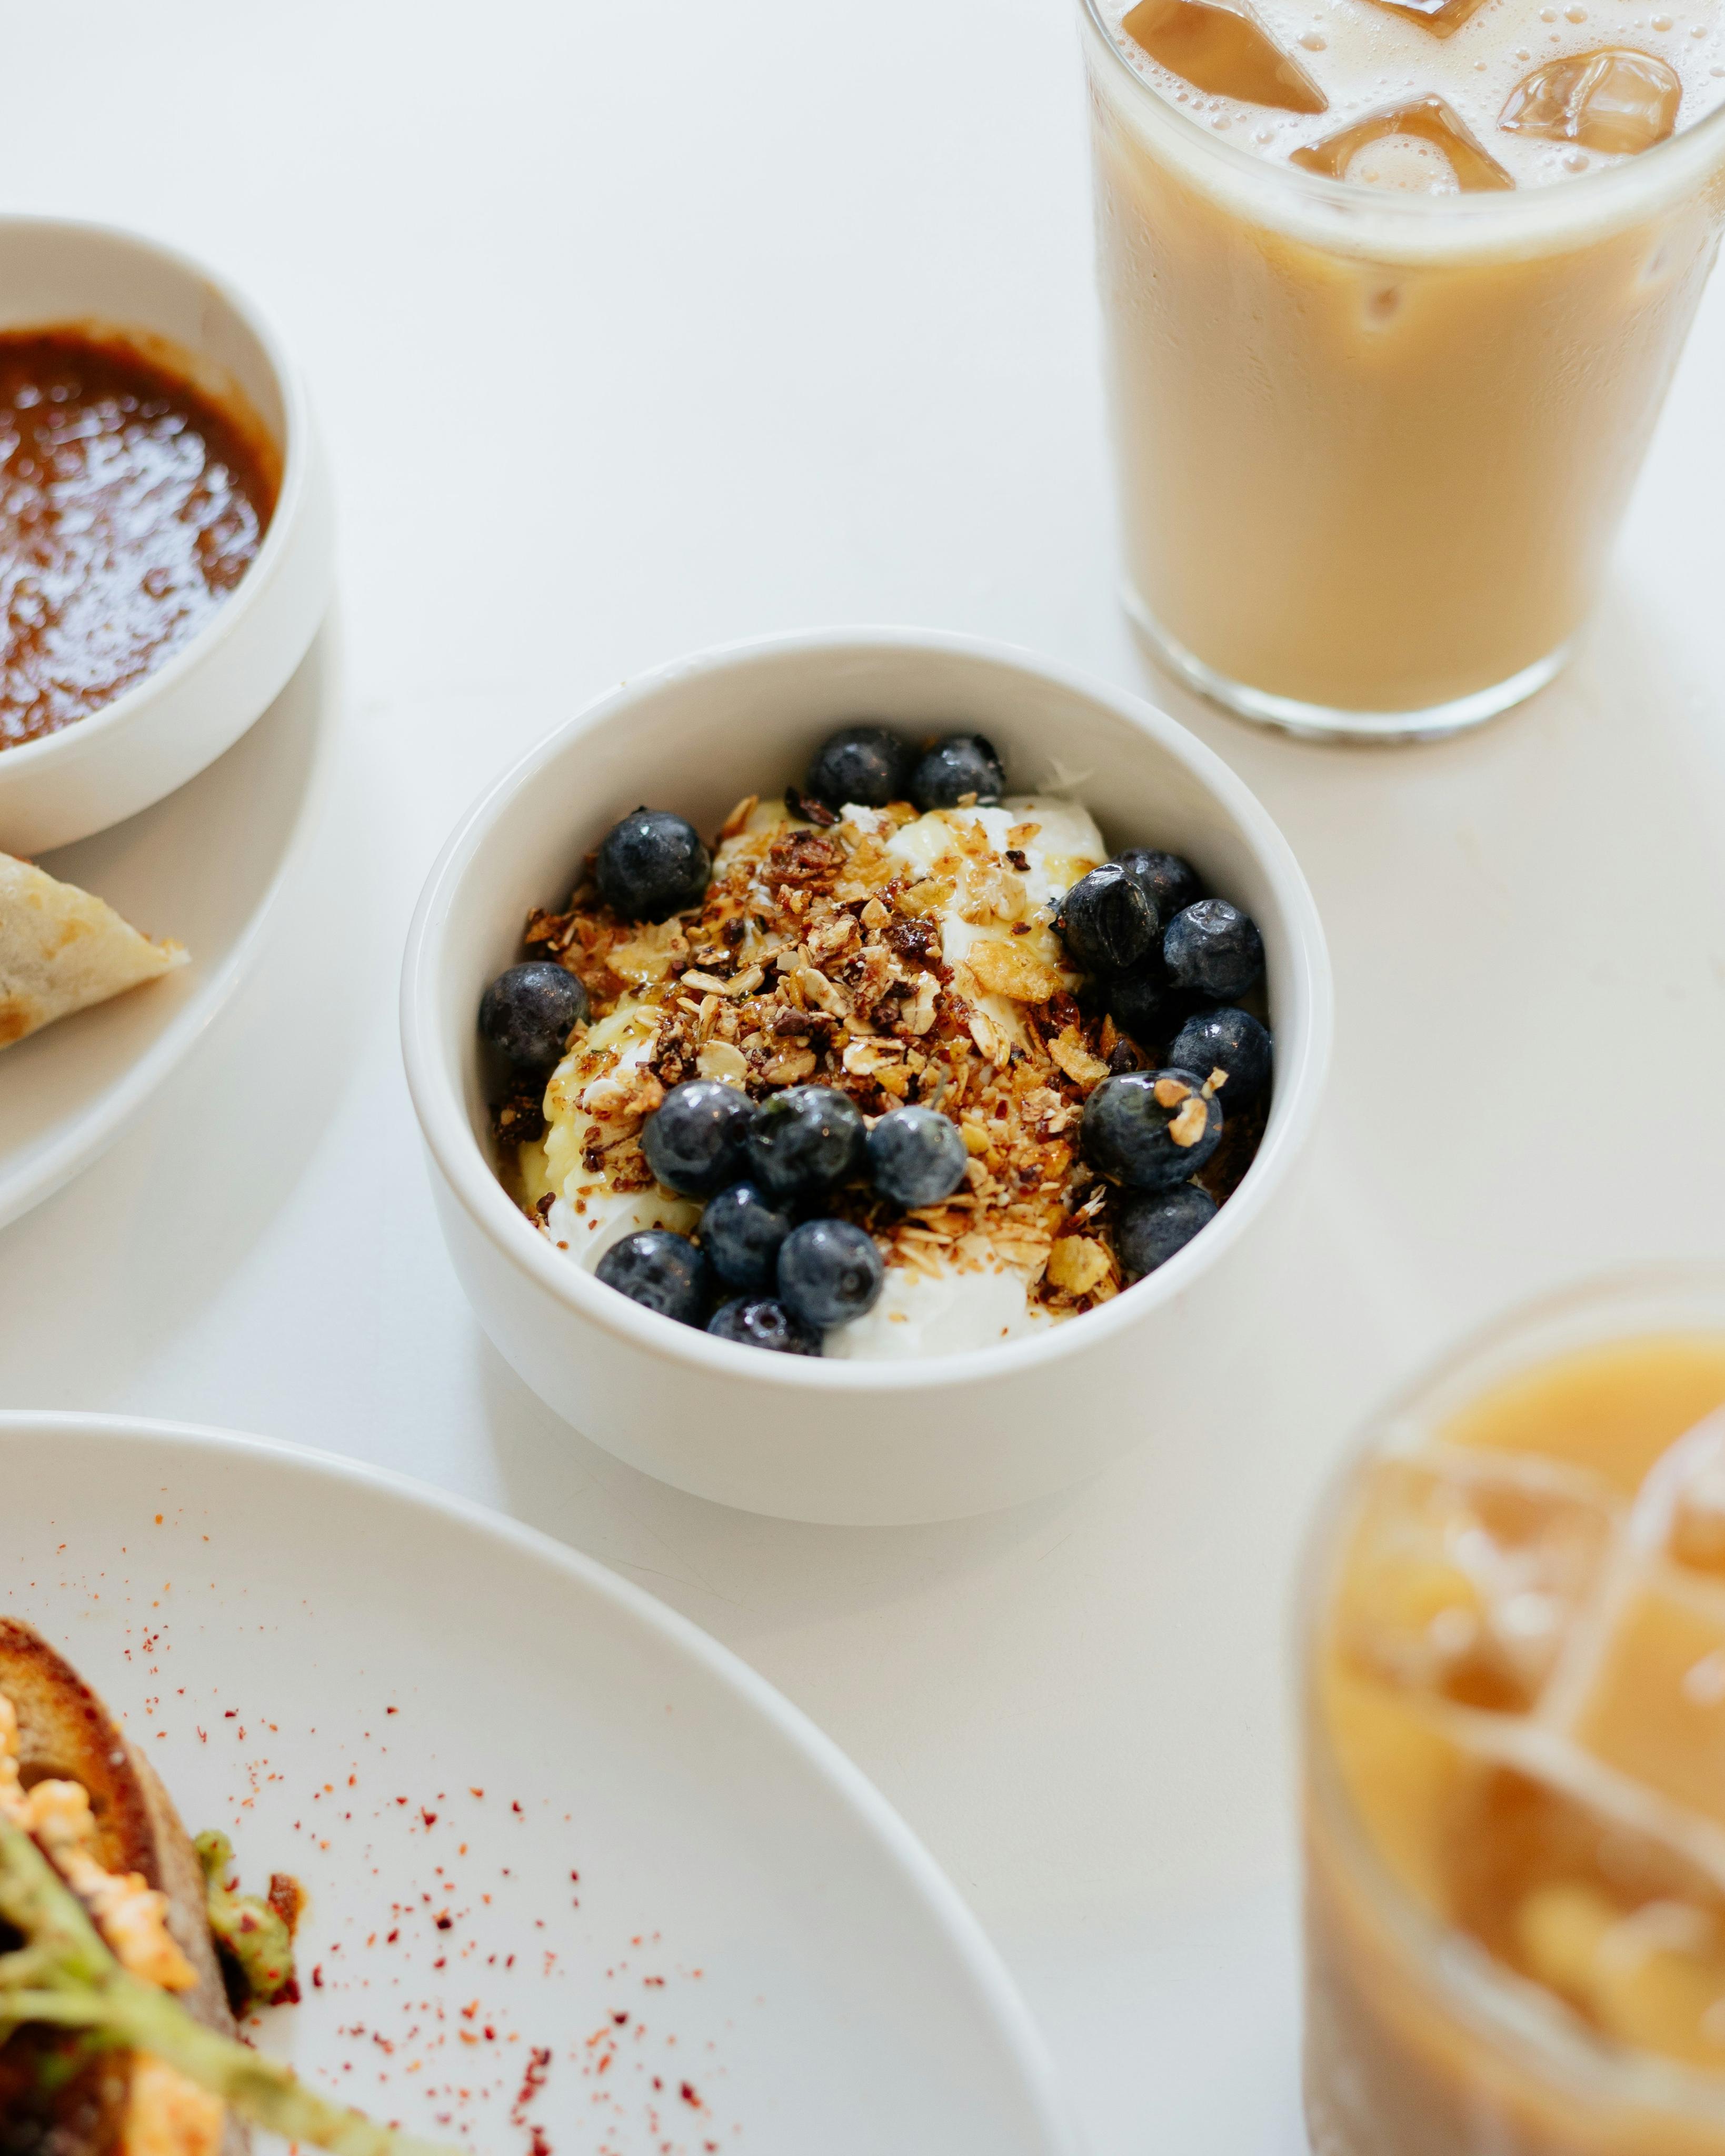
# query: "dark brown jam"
130,506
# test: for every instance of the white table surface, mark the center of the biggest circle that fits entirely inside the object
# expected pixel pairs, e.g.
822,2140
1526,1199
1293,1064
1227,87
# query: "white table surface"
637,329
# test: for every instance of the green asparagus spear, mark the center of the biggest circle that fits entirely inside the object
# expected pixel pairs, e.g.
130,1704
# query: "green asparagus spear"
63,1975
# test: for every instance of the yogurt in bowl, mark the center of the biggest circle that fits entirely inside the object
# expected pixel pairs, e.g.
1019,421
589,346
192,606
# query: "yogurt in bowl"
911,972
963,1419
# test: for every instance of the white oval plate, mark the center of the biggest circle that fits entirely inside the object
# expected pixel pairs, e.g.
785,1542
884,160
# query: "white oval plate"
578,1879
206,866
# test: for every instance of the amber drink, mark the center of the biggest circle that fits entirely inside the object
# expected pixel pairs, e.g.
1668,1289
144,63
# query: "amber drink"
1514,1714
1393,292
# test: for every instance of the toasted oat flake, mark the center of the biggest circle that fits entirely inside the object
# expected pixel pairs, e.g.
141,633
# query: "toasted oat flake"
1190,1126
989,1038
931,896
821,992
632,1094
720,1059
867,1059
1078,1263
1076,1060
920,1015
794,1068
1007,970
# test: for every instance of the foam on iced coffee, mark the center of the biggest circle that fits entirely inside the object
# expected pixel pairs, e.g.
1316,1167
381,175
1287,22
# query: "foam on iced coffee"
1524,1686
1435,95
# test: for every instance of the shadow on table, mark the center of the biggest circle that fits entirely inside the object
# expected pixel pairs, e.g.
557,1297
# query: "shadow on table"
1618,744
691,1549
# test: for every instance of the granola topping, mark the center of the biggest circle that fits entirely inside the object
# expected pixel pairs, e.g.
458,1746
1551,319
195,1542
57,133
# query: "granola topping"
903,960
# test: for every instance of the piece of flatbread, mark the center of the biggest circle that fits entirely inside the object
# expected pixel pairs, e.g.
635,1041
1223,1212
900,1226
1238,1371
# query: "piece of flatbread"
61,949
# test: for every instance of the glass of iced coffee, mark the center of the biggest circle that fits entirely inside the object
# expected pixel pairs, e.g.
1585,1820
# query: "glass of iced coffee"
1393,292
1514,1729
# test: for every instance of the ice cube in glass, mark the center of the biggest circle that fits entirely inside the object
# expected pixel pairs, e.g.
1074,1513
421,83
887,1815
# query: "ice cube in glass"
1466,166
1442,17
1614,101
1655,1709
1463,1578
1223,50
1624,1927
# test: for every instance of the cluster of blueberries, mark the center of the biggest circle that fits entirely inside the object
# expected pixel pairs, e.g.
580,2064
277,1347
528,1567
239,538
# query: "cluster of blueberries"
1169,963
870,767
785,1273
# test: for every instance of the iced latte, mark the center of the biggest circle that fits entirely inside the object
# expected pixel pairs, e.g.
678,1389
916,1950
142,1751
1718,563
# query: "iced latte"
1515,1738
1394,290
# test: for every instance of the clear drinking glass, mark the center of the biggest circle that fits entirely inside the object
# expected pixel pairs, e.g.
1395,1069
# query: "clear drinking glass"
1513,1708
1373,447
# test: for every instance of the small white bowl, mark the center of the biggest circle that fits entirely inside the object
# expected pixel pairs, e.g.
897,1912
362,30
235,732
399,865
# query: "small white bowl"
167,727
838,1440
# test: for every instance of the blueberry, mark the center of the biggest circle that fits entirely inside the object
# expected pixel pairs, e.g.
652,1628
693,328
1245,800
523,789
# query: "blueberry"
1214,948
961,764
1145,1003
866,765
1105,921
694,1139
531,1011
1230,1040
1150,1129
916,1156
829,1270
741,1231
1149,1228
651,866
660,1271
805,1140
756,1321
1170,884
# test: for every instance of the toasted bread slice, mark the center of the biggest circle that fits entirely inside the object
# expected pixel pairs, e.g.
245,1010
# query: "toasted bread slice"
66,1734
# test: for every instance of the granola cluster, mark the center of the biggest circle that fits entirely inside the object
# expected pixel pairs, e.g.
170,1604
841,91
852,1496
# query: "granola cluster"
818,956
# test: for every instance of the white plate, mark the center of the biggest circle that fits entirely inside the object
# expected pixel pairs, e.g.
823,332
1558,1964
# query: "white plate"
428,1713
206,865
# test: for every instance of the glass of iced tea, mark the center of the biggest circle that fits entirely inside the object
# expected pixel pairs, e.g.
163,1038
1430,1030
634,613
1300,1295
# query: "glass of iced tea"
1393,291
1514,1729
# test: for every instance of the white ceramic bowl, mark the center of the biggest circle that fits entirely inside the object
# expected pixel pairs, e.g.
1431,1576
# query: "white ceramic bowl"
841,1441
167,727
